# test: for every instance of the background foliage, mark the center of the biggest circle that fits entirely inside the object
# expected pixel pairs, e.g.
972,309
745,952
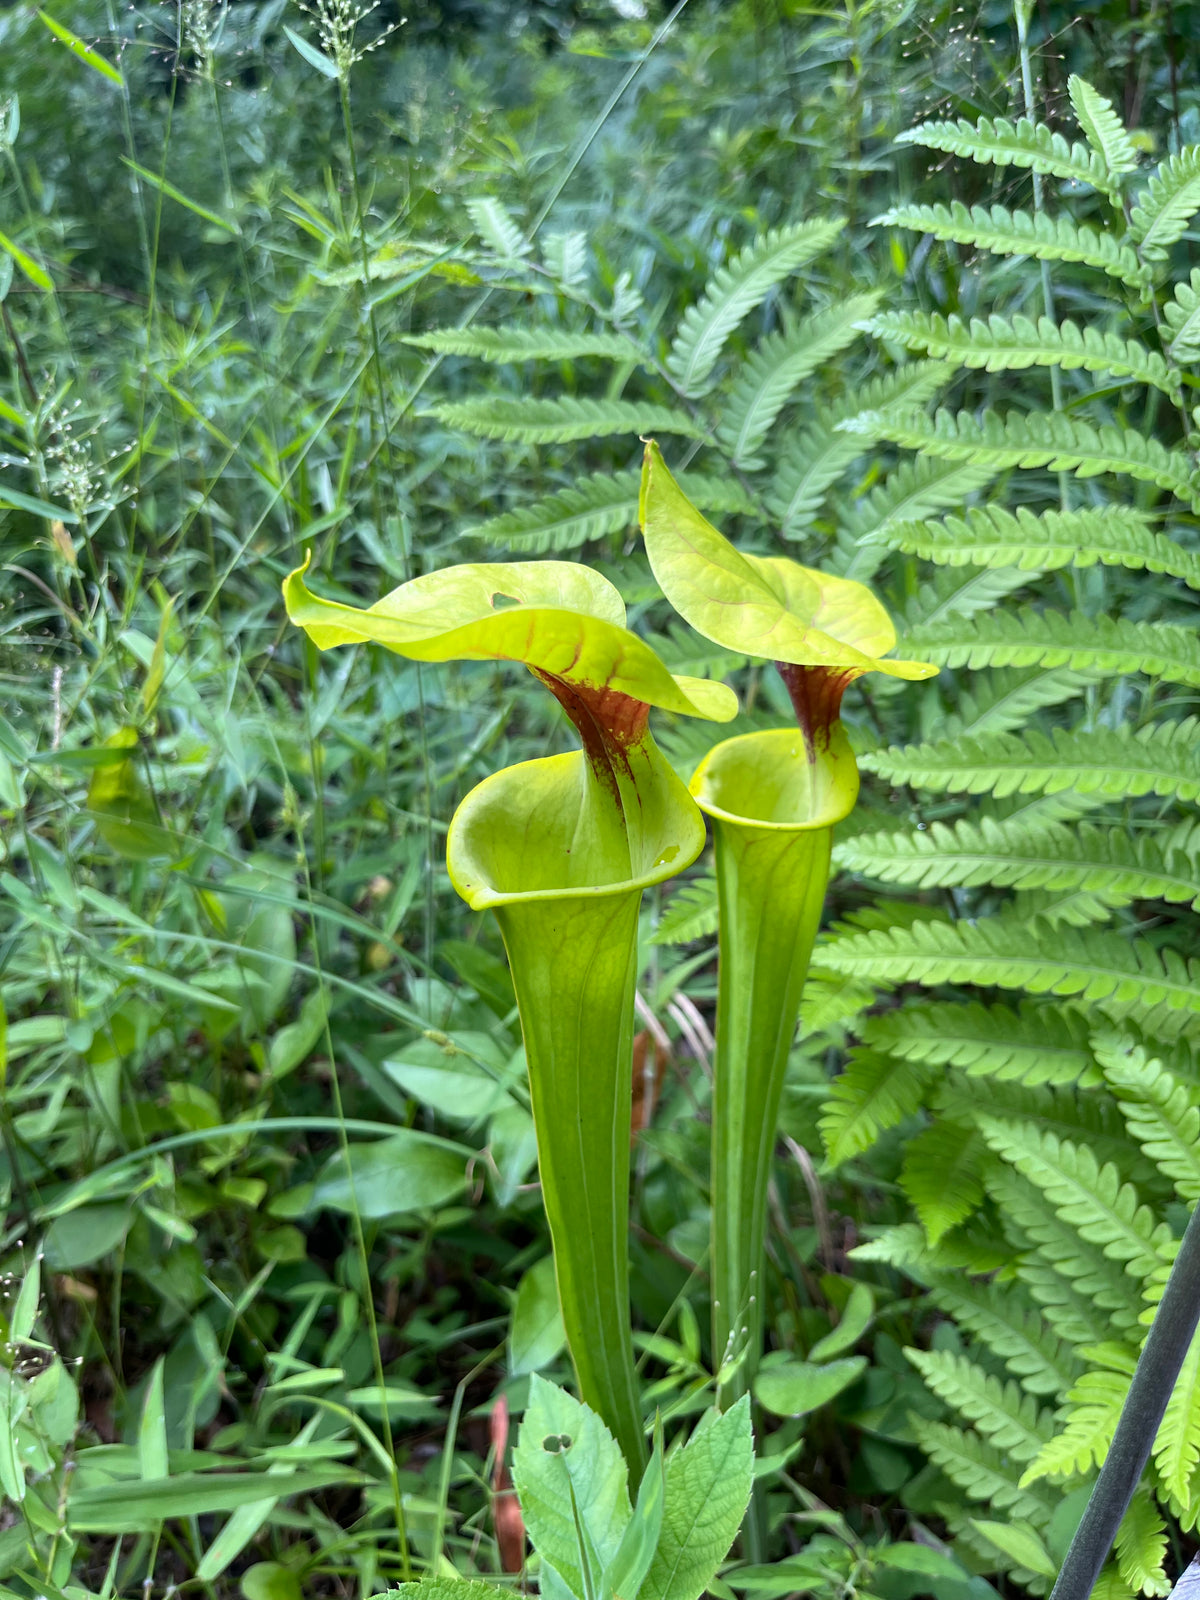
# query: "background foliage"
258,1057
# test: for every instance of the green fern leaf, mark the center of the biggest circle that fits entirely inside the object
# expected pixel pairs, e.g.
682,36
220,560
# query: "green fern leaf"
1103,861
734,291
1007,697
1001,1412
1089,1196
1102,128
562,420
916,487
1167,204
1142,1546
593,508
1002,344
1022,233
1001,143
1161,759
814,459
494,224
1038,439
1182,315
1029,1044
989,536
691,913
979,1469
1085,1119
942,1177
1161,1109
1093,1407
1003,952
526,344
1177,1447
1085,1295
1011,1328
874,1093
831,999
781,362
1048,638
947,595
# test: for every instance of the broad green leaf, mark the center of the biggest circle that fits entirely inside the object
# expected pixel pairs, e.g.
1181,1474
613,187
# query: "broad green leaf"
296,1040
536,1334
708,1486
271,1580
765,606
85,1235
152,1428
627,1571
25,1310
556,617
446,1589
795,1388
449,1078
12,1408
1019,1542
126,816
567,1462
855,1319
410,1171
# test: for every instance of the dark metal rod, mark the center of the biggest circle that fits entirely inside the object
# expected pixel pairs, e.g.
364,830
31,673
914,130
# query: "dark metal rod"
1154,1378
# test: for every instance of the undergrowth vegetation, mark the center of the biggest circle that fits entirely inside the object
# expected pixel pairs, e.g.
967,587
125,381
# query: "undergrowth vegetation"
403,289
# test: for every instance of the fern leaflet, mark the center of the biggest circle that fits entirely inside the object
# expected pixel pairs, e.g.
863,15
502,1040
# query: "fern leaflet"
526,344
1029,1044
562,420
874,1093
1142,1546
734,291
1177,1447
1182,315
691,913
1094,1405
1003,344
1161,759
1102,128
979,1469
1001,1412
942,1176
1006,144
1167,204
989,536
1022,233
1161,1110
1039,439
1015,1332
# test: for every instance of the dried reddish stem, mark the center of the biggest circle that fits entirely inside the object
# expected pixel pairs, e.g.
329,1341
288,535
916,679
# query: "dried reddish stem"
816,694
608,722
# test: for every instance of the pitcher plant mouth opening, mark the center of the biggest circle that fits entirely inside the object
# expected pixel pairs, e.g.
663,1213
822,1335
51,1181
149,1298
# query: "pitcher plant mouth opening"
775,780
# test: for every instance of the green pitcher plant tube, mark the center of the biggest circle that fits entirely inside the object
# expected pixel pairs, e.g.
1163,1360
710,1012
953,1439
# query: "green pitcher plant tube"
773,798
560,850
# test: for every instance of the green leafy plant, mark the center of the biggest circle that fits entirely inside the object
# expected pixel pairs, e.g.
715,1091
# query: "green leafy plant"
1055,1157
561,851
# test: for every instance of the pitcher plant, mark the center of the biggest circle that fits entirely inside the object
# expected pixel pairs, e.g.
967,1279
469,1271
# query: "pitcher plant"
773,798
560,850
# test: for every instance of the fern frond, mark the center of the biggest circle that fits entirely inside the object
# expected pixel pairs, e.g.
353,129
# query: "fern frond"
1071,908
1089,1196
1005,953
526,344
1161,1110
1014,1331
593,508
691,913
1001,1412
946,595
1177,1447
1022,233
1029,1044
979,1469
813,460
913,489
942,1176
1003,344
874,1093
1001,143
1182,315
1036,439
1102,127
494,224
1161,759
1093,1407
1085,1295
782,361
1104,861
734,291
1167,204
989,536
1048,638
830,998
1007,697
562,420
1085,1119
1141,1545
